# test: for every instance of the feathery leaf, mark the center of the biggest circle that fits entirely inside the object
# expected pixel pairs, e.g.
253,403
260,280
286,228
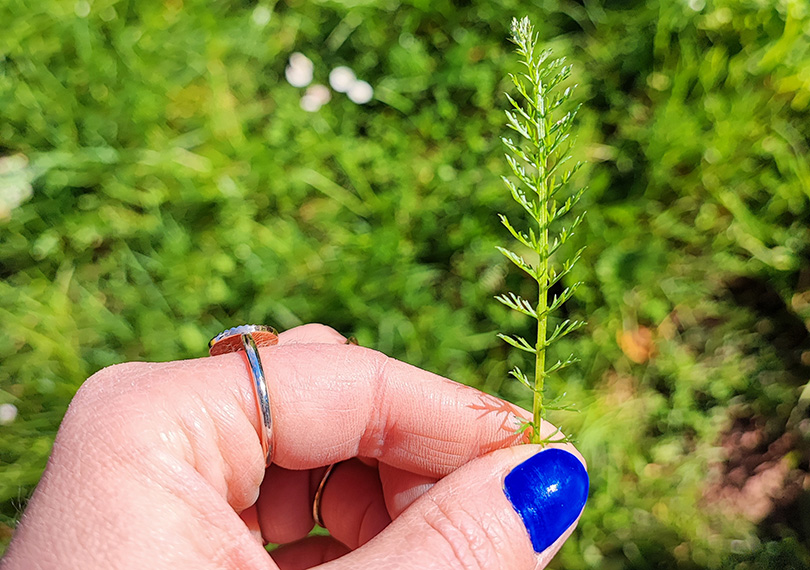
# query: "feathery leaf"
517,260
539,162
518,342
518,304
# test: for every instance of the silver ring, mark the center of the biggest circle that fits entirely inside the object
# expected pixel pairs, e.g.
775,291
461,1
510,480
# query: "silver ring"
316,502
226,342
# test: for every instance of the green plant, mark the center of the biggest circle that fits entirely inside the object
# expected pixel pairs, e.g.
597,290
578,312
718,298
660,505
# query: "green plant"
537,161
177,185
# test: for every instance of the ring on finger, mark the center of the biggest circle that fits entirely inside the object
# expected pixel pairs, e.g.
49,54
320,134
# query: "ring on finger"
316,502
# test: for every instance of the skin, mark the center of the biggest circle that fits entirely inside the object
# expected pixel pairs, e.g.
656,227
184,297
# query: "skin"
159,465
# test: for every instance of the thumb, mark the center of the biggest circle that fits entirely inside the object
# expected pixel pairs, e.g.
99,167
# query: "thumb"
511,509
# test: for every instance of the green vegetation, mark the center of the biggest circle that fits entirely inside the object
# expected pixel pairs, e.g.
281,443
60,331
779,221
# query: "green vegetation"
178,188
538,162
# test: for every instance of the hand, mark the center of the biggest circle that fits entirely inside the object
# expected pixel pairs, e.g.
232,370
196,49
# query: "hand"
159,465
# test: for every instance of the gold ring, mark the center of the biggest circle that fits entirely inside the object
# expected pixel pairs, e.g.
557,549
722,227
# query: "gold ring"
316,502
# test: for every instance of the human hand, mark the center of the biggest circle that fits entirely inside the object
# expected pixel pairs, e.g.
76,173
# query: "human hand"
159,465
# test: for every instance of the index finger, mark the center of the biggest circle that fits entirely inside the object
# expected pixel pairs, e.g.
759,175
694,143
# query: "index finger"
332,402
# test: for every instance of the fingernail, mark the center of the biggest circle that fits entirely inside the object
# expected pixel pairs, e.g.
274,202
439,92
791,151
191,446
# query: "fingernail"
548,491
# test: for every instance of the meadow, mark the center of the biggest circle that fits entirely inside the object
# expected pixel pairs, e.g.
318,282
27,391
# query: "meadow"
161,180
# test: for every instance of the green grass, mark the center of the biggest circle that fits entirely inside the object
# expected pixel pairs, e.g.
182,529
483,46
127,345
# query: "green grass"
178,188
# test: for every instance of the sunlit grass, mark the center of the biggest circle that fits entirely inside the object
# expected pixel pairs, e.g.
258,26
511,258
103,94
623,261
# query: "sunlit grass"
160,181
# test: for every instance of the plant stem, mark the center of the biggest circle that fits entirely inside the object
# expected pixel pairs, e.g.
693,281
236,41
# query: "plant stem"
539,371
541,182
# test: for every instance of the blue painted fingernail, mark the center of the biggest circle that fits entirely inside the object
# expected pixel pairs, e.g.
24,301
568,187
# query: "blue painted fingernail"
548,491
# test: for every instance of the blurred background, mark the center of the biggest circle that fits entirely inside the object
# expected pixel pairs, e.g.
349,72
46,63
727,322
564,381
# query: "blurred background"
167,171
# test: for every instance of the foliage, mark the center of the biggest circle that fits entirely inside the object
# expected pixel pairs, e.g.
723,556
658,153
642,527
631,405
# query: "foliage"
177,188
538,163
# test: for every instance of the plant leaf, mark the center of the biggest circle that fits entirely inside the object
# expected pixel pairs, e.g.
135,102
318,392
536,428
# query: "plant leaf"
560,364
521,377
518,260
522,238
518,304
518,342
564,328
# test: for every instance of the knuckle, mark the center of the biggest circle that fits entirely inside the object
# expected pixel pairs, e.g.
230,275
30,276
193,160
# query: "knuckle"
318,328
115,404
108,383
105,397
315,333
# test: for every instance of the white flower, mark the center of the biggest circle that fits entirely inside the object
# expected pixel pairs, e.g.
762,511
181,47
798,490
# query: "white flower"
298,76
316,97
360,92
8,413
298,59
299,71
342,78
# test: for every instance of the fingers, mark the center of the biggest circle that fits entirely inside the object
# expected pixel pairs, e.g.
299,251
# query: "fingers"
401,488
355,502
334,402
511,509
352,504
182,437
152,452
284,507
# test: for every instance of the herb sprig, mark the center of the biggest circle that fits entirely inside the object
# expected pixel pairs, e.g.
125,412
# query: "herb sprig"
539,162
